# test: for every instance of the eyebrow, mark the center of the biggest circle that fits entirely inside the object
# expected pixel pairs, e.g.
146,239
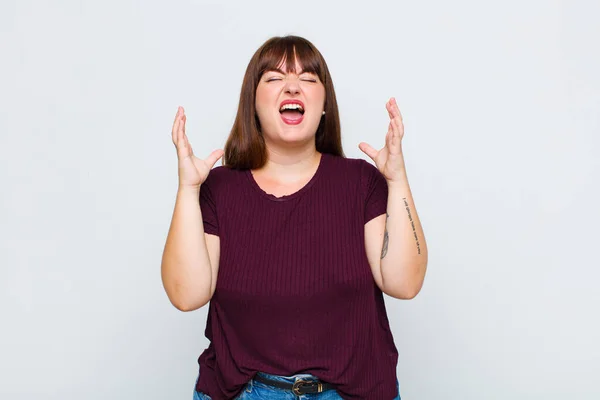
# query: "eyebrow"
281,72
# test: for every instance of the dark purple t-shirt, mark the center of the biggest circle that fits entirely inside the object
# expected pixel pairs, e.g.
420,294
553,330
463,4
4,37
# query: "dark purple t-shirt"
295,293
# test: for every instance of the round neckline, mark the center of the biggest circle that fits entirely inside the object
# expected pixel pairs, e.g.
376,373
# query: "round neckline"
291,196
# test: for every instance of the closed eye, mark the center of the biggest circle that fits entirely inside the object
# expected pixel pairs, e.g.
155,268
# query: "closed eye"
278,79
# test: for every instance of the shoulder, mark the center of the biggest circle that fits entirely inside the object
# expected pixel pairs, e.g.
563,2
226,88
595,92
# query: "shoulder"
222,183
353,167
357,170
221,175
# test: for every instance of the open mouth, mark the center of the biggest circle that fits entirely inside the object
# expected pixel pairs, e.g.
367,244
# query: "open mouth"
292,113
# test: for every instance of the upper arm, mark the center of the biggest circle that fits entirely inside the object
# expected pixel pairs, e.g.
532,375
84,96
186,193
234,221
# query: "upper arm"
374,190
374,233
213,245
209,200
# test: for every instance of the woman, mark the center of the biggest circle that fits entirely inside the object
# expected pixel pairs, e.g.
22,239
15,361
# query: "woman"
304,242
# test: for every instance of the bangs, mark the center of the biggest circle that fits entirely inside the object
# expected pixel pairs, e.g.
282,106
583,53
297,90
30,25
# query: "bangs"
246,147
286,51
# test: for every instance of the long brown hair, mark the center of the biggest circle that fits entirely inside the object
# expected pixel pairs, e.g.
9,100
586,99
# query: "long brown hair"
245,147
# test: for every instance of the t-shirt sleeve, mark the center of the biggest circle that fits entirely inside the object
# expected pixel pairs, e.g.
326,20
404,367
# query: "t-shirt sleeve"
208,206
376,191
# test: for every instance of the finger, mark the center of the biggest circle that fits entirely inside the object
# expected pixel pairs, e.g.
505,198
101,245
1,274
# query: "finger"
214,157
395,116
181,139
388,107
181,146
399,125
188,145
177,114
394,126
391,108
368,150
174,131
184,119
180,131
390,136
184,137
396,109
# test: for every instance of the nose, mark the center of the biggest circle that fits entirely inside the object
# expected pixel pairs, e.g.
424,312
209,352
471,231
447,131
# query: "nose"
292,86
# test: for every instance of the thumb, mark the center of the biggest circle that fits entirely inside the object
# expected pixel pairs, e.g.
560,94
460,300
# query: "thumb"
368,150
214,156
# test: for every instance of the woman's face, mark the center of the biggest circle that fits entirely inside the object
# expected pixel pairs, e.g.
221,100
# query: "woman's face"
276,88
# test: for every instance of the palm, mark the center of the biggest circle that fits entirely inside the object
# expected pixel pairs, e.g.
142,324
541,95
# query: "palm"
193,171
389,160
381,159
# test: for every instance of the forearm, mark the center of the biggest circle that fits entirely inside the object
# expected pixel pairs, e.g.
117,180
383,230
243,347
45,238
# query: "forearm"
185,269
404,253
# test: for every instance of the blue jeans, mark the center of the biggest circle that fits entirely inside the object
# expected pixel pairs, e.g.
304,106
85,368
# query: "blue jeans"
257,390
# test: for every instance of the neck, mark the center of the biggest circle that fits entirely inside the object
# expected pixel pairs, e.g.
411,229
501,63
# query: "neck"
288,166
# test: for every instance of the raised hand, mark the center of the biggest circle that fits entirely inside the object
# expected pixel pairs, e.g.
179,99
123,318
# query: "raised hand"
192,170
389,160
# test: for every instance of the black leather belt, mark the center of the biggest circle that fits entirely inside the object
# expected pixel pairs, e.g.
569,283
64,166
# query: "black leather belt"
299,387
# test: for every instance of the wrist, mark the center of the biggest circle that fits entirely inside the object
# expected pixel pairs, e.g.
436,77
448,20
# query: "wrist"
188,189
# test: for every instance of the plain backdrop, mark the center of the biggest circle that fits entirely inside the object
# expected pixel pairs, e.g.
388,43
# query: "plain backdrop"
501,106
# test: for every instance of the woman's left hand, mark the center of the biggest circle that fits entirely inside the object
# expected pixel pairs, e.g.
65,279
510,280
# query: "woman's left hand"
389,160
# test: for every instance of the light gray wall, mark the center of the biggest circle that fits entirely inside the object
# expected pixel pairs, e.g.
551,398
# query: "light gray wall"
501,108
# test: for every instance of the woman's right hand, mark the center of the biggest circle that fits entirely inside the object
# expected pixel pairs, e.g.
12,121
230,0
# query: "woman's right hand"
192,170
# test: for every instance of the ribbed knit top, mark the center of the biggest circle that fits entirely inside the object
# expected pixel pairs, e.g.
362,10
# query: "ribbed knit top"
295,292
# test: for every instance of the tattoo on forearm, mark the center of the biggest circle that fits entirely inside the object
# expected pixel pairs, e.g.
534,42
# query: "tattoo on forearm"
413,225
386,237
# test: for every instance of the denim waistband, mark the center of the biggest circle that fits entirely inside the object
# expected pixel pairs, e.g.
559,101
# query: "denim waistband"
289,379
